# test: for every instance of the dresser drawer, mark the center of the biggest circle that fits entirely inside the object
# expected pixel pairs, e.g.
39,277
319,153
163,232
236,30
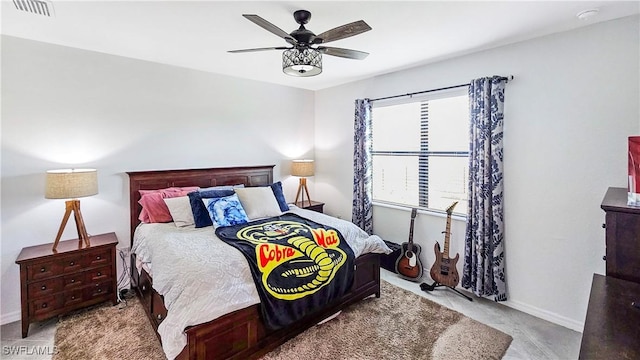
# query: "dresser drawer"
41,308
43,270
145,289
158,311
99,274
44,288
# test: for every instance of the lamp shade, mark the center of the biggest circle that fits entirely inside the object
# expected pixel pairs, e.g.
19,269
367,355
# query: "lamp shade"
71,183
302,168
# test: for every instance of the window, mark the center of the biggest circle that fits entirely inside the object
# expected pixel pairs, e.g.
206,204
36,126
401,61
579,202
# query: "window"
421,152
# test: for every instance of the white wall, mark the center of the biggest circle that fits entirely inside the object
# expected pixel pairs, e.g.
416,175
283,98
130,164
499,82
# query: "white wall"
574,101
568,113
64,107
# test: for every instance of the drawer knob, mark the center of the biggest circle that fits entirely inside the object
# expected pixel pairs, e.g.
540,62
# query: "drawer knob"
98,257
42,269
43,287
604,258
99,274
73,280
73,297
71,263
44,305
604,226
99,290
159,316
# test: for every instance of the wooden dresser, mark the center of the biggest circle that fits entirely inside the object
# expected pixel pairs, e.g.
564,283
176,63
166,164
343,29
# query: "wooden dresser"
612,325
72,277
622,224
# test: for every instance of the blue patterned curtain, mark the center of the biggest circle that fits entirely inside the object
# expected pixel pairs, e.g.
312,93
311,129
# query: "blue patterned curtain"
484,271
362,212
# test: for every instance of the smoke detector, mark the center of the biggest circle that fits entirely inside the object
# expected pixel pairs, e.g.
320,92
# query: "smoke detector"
37,7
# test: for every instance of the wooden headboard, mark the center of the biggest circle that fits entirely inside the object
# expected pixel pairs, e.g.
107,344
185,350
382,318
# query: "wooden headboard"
160,179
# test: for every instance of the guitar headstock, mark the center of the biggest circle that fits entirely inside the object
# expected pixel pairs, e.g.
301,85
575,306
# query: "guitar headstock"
450,208
414,212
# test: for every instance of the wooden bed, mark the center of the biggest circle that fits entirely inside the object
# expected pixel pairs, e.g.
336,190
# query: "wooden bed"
240,334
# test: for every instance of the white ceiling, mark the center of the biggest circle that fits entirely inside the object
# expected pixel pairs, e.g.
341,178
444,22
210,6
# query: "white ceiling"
197,34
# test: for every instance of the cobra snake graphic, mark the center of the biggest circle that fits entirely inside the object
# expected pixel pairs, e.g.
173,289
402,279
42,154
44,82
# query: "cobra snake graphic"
309,267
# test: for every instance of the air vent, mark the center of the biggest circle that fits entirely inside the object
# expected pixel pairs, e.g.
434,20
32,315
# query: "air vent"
38,7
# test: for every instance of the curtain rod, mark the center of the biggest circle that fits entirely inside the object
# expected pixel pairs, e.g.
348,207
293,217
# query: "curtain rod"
507,78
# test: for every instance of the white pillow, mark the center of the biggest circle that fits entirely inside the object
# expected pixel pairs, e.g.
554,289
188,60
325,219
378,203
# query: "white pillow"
180,210
258,202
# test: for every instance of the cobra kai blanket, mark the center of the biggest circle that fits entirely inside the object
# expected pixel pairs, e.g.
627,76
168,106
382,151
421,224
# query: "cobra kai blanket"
298,265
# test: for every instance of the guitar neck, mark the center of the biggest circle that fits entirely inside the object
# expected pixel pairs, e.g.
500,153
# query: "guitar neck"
447,235
411,233
414,212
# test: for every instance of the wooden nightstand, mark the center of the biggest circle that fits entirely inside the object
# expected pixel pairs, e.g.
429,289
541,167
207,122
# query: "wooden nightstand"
315,205
73,277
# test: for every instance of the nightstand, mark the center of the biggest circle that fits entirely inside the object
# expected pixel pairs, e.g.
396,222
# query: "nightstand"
73,277
315,205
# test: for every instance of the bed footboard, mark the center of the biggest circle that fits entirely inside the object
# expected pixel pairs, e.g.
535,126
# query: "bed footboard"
241,334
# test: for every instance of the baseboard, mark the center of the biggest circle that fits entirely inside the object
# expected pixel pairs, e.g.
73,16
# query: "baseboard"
545,315
526,308
10,317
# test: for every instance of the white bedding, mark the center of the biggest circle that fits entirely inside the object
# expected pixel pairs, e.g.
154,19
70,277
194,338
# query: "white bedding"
203,278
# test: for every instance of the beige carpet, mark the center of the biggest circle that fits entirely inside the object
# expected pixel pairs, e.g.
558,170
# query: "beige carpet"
399,325
107,332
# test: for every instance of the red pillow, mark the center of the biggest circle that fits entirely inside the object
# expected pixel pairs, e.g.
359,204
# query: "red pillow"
154,209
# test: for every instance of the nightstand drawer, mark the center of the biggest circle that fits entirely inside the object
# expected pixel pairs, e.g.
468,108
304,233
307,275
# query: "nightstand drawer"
41,308
98,289
98,274
73,281
98,258
72,297
71,264
43,270
43,288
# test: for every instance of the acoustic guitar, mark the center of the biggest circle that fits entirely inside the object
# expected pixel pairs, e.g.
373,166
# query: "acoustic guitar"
408,264
444,269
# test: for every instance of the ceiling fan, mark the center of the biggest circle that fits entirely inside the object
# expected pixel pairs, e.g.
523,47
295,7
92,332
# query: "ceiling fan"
301,58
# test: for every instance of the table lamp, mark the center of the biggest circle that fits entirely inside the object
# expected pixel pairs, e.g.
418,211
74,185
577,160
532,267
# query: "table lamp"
302,169
71,184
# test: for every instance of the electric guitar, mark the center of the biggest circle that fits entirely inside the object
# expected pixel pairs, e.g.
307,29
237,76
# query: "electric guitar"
408,264
444,269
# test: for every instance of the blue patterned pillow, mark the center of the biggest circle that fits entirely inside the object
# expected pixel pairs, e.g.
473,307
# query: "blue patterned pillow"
226,211
200,214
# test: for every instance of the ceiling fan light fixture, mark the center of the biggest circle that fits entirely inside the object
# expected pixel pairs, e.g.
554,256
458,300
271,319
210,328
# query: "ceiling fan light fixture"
306,62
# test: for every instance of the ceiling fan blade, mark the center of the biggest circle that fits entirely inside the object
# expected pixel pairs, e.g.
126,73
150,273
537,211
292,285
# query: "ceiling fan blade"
270,27
342,32
345,53
259,49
